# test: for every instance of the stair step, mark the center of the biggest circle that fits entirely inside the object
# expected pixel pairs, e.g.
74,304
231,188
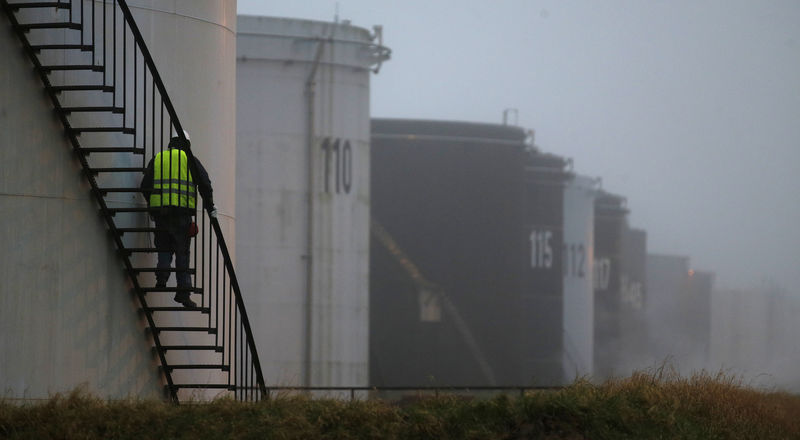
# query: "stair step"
89,150
143,250
82,88
92,67
211,331
216,386
172,289
18,6
129,230
190,270
118,110
114,211
205,310
124,189
40,47
123,130
117,170
215,348
61,25
199,367
129,251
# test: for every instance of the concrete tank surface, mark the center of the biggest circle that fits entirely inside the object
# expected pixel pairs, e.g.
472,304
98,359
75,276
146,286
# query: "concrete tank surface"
303,128
67,316
578,261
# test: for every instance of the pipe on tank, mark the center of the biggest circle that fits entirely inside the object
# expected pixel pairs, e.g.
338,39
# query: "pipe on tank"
310,93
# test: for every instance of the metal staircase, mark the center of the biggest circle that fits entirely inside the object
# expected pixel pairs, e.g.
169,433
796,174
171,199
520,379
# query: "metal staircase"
106,90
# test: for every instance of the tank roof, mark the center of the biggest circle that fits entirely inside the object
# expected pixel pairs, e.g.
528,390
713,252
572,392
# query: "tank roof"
548,168
290,40
448,129
610,203
300,28
583,181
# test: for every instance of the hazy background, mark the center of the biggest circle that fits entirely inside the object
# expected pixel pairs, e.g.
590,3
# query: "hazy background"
690,108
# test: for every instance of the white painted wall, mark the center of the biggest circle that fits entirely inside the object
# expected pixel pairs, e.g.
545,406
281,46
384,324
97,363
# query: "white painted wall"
66,303
274,61
67,316
579,195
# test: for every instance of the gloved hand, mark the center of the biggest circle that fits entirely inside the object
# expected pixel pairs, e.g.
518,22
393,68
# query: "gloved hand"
213,212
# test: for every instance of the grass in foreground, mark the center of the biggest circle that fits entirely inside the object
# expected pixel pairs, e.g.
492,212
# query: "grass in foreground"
643,406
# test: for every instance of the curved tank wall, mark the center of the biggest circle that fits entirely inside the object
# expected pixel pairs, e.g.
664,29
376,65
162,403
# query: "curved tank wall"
308,333
610,221
446,272
634,353
66,301
542,296
578,260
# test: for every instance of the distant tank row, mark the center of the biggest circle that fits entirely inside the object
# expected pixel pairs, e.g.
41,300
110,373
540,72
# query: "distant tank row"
531,273
403,252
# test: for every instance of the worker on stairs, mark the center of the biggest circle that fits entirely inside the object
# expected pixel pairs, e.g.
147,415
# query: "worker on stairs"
172,189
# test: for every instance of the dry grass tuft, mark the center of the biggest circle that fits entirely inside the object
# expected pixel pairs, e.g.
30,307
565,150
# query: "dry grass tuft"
721,403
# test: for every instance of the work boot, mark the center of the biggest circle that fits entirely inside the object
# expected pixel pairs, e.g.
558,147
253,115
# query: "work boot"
185,300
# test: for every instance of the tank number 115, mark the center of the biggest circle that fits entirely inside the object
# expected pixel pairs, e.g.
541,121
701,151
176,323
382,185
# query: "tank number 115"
541,249
338,165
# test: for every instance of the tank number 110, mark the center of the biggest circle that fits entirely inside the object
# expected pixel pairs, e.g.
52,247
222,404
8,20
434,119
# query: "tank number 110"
339,156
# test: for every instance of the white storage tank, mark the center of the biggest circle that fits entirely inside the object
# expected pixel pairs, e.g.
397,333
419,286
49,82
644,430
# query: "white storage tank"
302,191
578,258
66,300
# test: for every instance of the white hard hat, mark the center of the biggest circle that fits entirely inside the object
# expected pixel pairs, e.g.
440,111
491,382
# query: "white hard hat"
175,137
185,134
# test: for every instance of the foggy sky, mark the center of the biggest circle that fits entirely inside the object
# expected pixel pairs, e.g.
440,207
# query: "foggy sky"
690,108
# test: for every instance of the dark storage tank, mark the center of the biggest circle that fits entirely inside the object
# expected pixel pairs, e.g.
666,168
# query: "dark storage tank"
610,221
542,319
447,215
633,300
457,296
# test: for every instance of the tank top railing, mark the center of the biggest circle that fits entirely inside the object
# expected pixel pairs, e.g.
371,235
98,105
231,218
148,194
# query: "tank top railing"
131,106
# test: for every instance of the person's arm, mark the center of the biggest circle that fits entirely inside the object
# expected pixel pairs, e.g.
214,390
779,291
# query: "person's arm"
147,180
204,184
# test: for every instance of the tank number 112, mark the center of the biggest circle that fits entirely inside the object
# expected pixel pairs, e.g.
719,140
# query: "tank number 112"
339,156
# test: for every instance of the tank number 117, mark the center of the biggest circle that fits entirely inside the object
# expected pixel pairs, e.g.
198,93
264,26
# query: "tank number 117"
339,156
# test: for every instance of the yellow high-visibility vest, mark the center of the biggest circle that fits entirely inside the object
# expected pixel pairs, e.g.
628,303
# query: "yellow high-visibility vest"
172,181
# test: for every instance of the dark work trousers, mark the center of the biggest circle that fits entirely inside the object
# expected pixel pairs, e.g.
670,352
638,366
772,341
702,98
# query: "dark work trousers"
175,238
